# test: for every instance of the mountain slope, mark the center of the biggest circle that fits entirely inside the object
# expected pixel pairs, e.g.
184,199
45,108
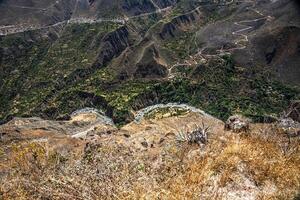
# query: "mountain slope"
120,56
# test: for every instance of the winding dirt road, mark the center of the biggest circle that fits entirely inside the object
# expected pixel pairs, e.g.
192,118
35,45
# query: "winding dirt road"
240,43
12,29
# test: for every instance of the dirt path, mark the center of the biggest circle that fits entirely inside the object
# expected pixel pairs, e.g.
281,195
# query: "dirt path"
155,5
241,42
12,29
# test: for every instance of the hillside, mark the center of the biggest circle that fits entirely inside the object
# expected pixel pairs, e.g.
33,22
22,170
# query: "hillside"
142,52
88,158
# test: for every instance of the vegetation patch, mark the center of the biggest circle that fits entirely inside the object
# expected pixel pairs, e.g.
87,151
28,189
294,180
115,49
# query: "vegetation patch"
223,89
165,112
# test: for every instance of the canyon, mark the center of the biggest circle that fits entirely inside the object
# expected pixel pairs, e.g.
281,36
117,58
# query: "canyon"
130,99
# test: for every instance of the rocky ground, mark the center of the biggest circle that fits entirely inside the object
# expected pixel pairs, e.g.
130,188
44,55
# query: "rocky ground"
87,158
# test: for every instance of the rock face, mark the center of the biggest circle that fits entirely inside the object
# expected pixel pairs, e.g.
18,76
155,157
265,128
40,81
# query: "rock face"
237,123
81,123
178,23
289,124
112,45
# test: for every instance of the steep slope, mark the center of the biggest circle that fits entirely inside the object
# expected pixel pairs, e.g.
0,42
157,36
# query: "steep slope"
19,16
86,159
23,14
121,56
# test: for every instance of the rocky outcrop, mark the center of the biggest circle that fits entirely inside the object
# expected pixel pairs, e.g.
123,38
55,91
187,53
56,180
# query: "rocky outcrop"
98,160
237,124
81,122
171,28
112,45
289,127
180,107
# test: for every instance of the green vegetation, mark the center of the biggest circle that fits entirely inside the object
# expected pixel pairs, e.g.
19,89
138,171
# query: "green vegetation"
166,112
52,76
223,89
145,23
41,66
220,87
179,45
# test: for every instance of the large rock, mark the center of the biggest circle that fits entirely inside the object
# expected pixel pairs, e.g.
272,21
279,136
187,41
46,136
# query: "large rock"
289,127
237,123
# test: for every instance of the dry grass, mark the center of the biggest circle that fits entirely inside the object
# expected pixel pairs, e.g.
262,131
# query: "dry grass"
262,165
259,159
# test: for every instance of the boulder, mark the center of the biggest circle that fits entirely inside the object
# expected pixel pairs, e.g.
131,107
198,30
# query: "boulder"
289,127
237,124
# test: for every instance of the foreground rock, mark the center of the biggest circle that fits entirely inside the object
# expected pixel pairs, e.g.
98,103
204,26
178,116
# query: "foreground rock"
81,123
237,124
288,126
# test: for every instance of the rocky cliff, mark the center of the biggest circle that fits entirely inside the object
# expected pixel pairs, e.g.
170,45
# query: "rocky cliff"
165,155
112,45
